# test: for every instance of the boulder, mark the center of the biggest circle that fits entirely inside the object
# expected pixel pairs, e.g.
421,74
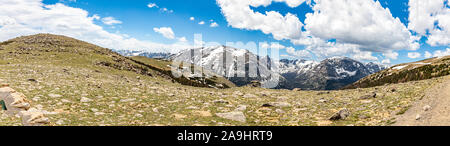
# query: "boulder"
341,115
33,117
15,102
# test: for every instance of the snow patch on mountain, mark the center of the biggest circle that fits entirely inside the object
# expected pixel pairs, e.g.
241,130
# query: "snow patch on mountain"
345,72
400,67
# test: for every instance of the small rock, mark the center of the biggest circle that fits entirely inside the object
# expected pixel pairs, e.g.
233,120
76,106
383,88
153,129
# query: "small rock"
368,96
250,96
202,113
418,117
221,101
238,93
32,80
324,123
85,99
279,111
277,104
296,89
54,95
366,101
363,117
321,93
99,113
60,122
37,98
138,115
255,83
127,100
322,100
426,108
267,105
281,104
58,111
65,101
4,85
179,116
265,94
342,114
155,110
235,116
282,98
192,107
94,110
241,108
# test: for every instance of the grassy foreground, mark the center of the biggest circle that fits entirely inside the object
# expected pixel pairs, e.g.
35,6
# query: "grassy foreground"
75,90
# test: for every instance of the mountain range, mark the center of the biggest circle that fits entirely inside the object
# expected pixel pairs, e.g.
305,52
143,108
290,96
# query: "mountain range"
74,83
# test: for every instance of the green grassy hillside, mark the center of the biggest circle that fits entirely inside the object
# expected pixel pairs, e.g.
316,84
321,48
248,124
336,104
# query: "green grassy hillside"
165,68
421,70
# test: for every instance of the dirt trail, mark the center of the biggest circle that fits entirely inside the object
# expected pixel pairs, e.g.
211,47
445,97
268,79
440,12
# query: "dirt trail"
432,110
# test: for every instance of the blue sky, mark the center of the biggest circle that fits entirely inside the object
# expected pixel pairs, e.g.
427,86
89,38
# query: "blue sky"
135,19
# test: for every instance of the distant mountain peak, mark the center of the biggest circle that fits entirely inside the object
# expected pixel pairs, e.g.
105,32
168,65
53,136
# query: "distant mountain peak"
331,73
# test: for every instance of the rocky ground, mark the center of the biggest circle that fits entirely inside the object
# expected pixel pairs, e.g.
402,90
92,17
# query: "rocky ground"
74,83
77,95
431,110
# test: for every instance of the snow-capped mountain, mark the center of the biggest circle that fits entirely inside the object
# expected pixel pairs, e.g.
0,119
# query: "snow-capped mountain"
329,74
238,65
374,67
144,53
332,73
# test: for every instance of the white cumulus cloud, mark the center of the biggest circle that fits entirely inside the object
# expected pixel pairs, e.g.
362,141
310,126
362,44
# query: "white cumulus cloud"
428,54
152,5
165,10
303,54
414,55
440,53
386,61
27,17
239,15
359,28
362,22
110,21
182,39
167,32
214,24
391,55
431,18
